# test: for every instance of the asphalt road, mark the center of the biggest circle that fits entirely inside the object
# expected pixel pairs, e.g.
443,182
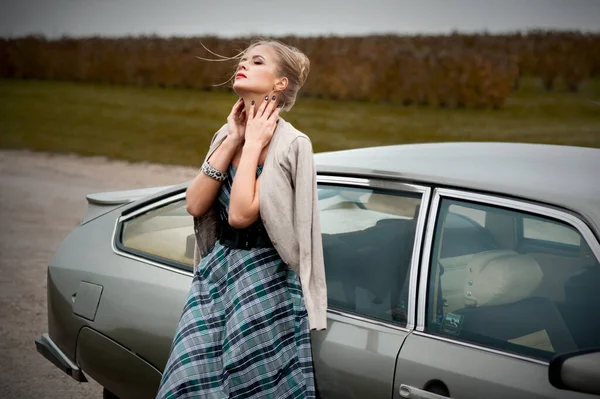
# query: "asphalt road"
42,198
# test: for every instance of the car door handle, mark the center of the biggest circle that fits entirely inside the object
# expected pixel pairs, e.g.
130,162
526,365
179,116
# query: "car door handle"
408,392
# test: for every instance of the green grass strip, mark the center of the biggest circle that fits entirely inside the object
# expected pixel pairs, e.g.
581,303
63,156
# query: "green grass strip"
174,126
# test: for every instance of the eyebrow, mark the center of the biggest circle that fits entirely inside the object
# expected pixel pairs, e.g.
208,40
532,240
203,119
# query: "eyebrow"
253,57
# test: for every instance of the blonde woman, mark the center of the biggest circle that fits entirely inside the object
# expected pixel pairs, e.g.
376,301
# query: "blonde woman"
260,285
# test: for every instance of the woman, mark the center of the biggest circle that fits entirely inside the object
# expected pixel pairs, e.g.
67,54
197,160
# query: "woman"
260,286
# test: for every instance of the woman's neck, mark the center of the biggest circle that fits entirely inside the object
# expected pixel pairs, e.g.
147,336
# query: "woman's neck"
257,98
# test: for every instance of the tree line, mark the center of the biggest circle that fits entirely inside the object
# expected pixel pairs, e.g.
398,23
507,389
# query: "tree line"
458,70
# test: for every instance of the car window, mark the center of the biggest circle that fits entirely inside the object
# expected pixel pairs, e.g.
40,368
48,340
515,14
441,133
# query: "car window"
475,215
165,233
368,238
532,300
540,229
464,236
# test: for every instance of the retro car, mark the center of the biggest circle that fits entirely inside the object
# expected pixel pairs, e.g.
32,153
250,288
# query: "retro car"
467,270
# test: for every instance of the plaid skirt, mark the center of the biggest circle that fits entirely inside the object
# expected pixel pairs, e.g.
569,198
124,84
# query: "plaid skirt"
244,331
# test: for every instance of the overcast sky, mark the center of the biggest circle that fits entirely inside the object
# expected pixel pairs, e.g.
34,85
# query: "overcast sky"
54,18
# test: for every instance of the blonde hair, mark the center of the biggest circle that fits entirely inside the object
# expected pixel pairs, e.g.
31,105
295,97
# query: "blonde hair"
293,64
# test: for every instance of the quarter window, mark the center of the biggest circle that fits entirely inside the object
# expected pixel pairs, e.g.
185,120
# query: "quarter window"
540,229
528,294
368,238
165,233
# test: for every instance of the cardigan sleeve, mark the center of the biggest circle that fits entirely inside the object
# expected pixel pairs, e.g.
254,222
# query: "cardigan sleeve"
308,231
205,225
216,140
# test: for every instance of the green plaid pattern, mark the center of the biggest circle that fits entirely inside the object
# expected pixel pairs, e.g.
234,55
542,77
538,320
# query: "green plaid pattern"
244,329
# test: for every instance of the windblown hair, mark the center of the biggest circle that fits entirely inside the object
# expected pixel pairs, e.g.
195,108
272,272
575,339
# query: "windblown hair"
292,64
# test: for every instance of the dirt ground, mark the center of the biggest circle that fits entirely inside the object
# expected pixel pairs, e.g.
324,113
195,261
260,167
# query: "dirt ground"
42,197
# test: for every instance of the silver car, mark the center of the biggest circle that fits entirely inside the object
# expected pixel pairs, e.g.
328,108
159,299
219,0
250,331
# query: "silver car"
464,270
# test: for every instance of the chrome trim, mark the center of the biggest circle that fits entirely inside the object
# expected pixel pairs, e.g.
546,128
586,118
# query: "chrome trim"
482,348
359,172
362,182
416,257
425,258
139,258
380,323
355,181
568,218
153,205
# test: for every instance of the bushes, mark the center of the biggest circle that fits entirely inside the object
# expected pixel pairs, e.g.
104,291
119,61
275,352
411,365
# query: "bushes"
470,71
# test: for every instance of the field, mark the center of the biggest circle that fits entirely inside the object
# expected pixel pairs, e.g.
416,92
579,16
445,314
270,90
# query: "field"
174,126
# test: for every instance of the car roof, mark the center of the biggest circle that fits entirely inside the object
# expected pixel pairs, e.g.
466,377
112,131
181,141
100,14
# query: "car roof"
563,176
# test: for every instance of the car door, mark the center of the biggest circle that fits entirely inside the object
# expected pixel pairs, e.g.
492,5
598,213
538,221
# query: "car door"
370,232
528,291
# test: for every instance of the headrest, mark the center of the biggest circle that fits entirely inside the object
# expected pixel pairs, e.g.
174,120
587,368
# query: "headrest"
500,277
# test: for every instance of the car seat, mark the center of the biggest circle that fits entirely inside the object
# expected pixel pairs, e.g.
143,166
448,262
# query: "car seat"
376,259
582,306
499,306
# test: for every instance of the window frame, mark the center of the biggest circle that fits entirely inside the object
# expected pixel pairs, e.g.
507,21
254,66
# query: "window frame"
352,181
396,186
499,201
153,260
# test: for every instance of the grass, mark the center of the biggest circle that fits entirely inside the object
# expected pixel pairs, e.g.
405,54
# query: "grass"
174,126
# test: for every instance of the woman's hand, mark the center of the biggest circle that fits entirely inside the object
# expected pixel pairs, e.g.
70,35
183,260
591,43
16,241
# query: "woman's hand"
261,125
236,122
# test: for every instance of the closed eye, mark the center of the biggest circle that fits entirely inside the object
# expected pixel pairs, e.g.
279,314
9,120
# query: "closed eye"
258,59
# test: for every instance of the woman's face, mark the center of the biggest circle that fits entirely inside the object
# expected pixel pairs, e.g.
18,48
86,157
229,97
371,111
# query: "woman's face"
257,71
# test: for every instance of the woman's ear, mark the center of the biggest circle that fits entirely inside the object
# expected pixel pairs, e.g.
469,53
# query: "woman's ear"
281,84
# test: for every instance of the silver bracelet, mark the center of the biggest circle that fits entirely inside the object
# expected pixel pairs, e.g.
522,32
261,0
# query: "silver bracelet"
213,173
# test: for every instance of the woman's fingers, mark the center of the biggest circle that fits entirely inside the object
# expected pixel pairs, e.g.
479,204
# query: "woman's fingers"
263,107
270,107
274,111
250,112
236,109
267,110
275,115
238,113
237,106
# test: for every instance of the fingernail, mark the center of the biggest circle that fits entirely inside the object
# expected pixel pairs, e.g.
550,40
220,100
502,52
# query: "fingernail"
273,98
267,98
252,102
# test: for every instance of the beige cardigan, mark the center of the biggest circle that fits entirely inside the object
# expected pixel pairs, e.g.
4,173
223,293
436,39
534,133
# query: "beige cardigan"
289,211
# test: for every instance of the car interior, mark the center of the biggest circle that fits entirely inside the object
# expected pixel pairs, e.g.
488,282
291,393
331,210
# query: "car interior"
388,247
166,233
503,284
368,242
